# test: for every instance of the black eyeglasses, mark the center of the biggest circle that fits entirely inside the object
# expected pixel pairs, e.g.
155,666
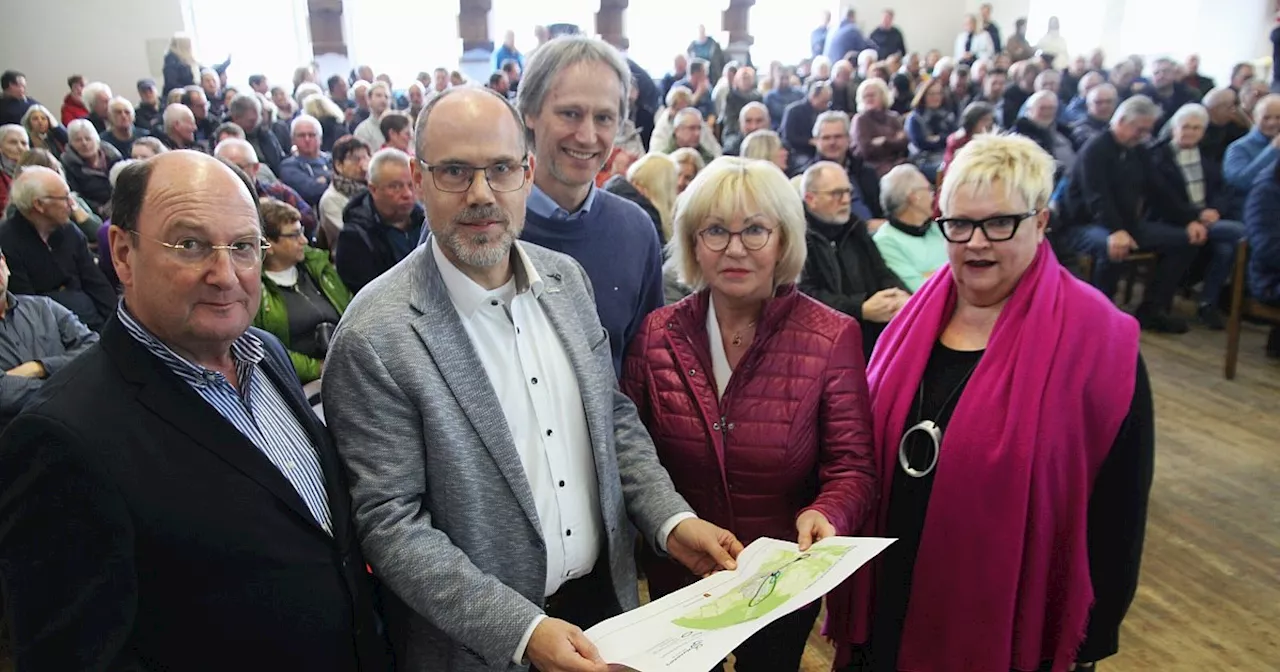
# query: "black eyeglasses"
995,229
457,178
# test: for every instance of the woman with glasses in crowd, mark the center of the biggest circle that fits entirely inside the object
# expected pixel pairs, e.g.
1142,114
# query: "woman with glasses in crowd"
88,163
755,394
1014,438
302,296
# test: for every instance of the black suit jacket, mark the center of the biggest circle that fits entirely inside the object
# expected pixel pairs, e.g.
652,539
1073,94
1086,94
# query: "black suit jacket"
139,530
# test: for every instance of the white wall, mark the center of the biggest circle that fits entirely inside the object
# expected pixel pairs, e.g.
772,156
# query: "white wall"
930,24
117,42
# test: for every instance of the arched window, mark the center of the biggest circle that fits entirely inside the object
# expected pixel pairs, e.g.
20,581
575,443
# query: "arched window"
660,29
402,39
275,42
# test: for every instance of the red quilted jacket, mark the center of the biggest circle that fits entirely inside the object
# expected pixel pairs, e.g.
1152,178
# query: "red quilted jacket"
792,432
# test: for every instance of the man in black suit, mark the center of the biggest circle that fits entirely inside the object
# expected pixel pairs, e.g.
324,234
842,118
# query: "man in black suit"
168,500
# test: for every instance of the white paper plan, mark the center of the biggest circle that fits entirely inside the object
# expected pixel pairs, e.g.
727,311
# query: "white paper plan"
693,629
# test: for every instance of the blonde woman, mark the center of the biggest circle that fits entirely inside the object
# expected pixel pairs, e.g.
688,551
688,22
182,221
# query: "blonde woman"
690,163
330,117
879,137
180,66
1058,486
44,130
765,145
754,393
650,183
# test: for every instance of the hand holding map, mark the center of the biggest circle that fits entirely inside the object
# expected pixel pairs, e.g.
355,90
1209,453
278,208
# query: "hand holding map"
694,628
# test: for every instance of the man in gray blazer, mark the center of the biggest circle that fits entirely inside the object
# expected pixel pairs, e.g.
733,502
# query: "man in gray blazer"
496,470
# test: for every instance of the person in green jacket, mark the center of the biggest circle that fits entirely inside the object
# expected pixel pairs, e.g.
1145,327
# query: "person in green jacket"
911,243
302,296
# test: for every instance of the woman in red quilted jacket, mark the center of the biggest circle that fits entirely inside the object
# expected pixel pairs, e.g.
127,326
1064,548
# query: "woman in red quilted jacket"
755,394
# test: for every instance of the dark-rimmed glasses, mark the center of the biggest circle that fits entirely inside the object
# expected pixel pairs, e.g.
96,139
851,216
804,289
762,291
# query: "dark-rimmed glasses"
995,229
717,238
245,253
457,178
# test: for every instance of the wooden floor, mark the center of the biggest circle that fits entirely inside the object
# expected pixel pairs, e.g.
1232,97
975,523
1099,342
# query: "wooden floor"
1209,595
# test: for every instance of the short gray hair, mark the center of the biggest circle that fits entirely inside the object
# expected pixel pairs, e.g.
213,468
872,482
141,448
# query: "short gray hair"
896,185
243,103
8,129
685,114
1187,112
81,126
1137,107
243,146
175,112
753,105
114,173
92,91
383,157
120,101
305,119
559,55
28,187
815,171
828,117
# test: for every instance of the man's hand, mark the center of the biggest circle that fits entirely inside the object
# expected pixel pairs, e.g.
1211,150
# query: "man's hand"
560,646
883,305
1209,216
31,369
1120,244
813,526
702,547
1197,233
877,141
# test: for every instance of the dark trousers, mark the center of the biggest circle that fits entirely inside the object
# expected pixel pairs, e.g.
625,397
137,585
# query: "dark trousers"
1176,255
780,645
586,601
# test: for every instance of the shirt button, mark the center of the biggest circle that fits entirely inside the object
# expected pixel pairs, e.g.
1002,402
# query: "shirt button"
693,372
535,381
493,302
548,432
562,484
568,533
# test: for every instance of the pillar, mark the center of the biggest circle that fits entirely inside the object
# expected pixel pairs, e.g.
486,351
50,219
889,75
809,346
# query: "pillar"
326,27
737,22
473,25
611,22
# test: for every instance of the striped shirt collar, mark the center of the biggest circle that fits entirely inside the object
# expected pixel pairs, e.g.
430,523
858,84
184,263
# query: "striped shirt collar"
246,351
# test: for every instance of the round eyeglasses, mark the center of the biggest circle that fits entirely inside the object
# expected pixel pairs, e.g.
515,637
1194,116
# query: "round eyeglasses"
717,238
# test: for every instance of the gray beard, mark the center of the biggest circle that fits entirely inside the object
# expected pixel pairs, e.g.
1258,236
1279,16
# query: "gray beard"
480,250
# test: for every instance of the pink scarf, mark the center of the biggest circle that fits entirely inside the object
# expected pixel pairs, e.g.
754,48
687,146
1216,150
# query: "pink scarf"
1002,574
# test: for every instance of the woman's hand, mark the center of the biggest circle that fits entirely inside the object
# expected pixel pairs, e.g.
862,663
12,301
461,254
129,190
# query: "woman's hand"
813,527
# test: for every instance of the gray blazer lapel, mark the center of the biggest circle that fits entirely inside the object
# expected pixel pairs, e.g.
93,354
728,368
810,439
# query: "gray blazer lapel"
451,349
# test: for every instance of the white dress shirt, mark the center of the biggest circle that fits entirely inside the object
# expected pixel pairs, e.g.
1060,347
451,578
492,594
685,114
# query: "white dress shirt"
538,391
719,358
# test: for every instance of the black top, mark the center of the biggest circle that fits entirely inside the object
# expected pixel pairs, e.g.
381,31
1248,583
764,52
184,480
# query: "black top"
307,308
1109,182
1117,514
62,269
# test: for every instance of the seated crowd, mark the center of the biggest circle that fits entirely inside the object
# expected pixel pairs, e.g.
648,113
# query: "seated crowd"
547,307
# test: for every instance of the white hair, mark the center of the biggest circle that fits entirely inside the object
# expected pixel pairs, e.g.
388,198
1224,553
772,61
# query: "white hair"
385,156
897,184
1188,112
92,91
306,90
753,105
686,113
114,173
175,112
120,101
305,119
81,126
944,63
237,144
8,129
830,117
1137,107
27,187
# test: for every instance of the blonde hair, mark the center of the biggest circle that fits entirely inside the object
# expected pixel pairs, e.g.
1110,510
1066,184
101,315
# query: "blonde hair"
886,94
762,144
321,107
679,94
990,162
180,45
689,155
731,184
656,174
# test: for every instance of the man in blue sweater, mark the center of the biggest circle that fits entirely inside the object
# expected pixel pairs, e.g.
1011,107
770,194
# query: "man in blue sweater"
1254,154
573,96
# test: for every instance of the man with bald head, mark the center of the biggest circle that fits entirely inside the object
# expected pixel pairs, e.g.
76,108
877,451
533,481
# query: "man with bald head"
239,153
753,117
48,255
169,500
1100,105
1227,123
496,469
1256,152
1077,108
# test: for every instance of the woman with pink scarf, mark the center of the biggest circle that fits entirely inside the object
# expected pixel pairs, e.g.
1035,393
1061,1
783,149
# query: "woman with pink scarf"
1014,442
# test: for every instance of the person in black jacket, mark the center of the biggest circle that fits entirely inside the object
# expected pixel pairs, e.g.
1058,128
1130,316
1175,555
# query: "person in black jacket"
382,225
246,112
1167,92
169,500
1195,187
1103,213
831,137
47,254
844,268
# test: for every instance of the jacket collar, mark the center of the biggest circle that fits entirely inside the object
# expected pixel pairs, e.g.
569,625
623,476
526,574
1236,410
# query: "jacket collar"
819,229
467,296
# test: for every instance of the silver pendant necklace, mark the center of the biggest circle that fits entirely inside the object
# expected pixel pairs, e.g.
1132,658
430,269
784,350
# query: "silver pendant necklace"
930,429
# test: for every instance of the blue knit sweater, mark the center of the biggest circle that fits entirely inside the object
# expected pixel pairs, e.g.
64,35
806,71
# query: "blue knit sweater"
616,244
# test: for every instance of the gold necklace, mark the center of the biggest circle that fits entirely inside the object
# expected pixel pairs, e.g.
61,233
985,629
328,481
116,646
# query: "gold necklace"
737,335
